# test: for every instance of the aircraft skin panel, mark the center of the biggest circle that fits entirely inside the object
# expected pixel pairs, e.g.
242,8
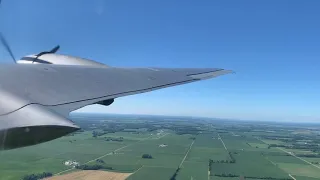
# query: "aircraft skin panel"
54,85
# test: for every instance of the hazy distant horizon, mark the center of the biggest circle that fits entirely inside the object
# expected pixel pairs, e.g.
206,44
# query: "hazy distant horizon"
193,117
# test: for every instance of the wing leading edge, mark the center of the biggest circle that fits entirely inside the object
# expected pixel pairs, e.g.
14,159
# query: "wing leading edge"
43,95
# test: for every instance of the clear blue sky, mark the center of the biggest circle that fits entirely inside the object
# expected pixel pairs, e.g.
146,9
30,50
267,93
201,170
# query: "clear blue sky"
274,46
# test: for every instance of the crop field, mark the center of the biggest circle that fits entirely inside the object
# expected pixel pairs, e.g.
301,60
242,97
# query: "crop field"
228,178
305,178
92,175
152,173
301,151
284,159
268,141
202,154
188,170
146,148
249,164
312,160
300,169
238,142
207,147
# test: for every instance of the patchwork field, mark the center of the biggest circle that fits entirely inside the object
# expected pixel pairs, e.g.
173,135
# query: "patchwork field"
143,149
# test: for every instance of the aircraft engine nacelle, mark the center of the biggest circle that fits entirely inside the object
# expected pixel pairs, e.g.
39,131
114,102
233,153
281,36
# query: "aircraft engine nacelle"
64,60
58,59
106,102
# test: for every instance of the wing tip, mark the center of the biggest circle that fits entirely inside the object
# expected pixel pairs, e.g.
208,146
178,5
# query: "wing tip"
213,74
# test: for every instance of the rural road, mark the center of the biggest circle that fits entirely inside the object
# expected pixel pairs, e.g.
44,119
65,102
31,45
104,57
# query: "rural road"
299,158
184,158
222,142
292,177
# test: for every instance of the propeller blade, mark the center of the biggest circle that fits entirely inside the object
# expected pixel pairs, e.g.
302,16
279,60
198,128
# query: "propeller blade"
55,49
6,45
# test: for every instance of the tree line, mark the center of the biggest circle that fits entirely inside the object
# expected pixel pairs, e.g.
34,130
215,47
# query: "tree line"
93,167
174,176
37,176
233,160
120,139
249,177
222,161
147,156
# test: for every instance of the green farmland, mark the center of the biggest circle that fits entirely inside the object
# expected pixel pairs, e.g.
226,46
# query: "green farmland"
178,149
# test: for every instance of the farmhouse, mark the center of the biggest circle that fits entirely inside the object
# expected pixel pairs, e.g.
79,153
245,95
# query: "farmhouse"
163,145
71,163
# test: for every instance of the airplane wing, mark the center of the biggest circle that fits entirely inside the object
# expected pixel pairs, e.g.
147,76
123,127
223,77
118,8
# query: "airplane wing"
38,96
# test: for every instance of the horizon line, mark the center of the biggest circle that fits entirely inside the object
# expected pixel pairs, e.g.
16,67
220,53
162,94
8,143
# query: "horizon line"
211,118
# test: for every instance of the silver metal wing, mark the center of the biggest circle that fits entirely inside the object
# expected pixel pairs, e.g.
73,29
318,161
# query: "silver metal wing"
36,99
